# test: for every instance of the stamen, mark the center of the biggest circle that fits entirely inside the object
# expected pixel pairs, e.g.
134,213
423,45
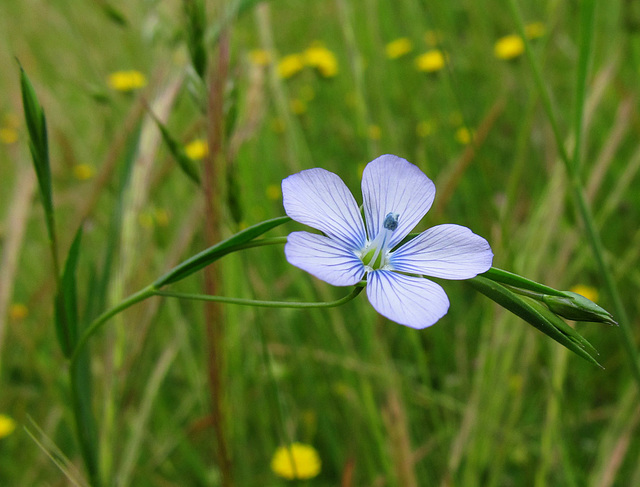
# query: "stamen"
375,256
391,221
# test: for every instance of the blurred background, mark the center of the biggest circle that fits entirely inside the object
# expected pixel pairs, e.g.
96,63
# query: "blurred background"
481,398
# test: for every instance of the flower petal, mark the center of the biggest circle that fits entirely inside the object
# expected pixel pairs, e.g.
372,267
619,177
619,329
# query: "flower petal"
410,301
447,251
391,184
323,257
320,199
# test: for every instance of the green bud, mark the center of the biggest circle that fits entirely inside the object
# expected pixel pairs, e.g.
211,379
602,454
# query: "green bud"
573,306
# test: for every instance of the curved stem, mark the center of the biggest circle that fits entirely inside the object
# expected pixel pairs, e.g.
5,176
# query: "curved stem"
264,304
104,317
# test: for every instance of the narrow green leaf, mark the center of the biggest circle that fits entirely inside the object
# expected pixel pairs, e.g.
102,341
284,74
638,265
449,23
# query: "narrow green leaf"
178,153
511,279
113,14
219,250
538,316
561,325
81,399
196,22
39,147
66,304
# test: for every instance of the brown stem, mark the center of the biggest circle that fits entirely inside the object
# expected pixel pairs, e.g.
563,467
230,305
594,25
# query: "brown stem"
214,180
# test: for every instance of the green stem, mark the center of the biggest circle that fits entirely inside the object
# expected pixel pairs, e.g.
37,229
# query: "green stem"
572,167
104,317
264,304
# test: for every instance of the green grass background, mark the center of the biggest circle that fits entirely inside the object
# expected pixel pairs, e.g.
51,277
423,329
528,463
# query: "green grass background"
478,399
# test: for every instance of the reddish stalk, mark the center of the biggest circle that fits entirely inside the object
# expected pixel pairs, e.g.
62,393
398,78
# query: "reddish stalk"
213,182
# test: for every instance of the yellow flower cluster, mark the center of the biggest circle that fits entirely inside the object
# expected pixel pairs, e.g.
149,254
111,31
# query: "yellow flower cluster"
511,46
126,80
316,56
298,461
435,59
319,57
431,61
398,48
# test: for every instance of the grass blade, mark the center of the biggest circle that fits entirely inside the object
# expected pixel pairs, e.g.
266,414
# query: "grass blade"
66,304
213,253
178,153
39,147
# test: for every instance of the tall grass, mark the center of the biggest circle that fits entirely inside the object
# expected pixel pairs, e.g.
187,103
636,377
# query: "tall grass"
548,178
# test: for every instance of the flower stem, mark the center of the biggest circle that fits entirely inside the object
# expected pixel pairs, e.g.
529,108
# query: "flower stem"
259,303
104,317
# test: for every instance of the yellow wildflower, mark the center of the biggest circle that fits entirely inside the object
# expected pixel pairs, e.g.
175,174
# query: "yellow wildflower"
7,425
298,106
18,311
319,57
431,61
588,292
274,193
298,461
535,30
509,47
260,57
399,47
126,80
463,135
290,65
374,132
197,149
424,128
82,172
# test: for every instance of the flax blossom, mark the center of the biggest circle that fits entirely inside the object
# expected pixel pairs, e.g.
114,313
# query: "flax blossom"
396,196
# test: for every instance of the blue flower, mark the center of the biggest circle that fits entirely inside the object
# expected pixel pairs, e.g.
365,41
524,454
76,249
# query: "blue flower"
397,194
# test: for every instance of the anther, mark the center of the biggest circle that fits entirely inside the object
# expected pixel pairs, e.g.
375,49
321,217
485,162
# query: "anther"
391,221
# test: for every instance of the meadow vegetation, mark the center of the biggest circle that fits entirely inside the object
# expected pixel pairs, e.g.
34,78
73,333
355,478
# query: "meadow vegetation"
171,125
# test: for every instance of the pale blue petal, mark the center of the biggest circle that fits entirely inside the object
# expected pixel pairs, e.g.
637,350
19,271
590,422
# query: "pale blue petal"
410,301
447,251
323,257
391,184
320,199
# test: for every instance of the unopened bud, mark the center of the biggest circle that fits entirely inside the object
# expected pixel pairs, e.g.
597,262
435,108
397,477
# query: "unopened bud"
573,306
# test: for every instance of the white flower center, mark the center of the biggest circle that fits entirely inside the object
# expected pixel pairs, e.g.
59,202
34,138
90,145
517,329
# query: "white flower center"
376,253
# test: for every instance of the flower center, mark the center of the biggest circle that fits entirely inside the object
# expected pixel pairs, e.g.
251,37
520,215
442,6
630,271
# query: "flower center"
376,253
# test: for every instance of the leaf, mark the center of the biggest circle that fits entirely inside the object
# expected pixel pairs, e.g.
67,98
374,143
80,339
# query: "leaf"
537,315
511,279
39,147
219,250
196,22
178,153
66,304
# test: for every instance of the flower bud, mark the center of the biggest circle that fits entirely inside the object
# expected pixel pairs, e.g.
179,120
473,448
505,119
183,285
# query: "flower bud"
573,306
